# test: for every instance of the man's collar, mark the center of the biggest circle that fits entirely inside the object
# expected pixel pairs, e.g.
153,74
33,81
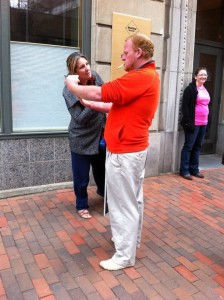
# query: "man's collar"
146,63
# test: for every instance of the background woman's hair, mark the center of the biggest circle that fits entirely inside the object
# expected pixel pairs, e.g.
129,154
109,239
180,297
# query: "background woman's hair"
197,71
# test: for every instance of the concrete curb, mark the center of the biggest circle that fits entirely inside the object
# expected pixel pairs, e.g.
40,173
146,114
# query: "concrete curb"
35,189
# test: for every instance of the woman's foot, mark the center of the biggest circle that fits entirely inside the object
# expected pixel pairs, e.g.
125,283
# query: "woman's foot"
84,213
187,176
199,175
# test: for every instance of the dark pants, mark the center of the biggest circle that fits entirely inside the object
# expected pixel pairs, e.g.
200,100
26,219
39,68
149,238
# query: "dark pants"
189,163
81,168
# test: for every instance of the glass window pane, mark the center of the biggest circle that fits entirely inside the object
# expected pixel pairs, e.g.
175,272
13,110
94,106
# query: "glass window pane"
43,34
209,23
45,21
37,73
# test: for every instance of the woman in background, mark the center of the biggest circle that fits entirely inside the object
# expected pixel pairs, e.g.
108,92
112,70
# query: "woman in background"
84,133
195,112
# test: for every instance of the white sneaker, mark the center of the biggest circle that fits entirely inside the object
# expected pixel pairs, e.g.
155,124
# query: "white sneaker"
110,265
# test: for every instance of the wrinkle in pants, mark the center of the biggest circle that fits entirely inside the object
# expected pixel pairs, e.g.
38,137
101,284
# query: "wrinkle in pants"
124,184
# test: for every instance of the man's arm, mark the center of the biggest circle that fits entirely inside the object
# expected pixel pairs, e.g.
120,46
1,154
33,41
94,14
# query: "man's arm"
90,92
102,107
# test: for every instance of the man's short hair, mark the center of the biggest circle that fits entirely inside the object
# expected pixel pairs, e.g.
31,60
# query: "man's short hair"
143,42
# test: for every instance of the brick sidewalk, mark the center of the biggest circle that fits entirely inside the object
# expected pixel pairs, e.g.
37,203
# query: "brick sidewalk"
48,252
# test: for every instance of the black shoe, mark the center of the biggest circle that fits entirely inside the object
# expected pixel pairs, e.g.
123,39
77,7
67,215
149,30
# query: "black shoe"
198,175
187,176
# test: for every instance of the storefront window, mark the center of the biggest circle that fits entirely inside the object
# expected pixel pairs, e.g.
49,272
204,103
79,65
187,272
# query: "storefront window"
45,22
209,23
43,34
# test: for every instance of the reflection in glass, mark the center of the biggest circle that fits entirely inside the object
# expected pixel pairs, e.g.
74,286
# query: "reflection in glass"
43,34
45,21
210,21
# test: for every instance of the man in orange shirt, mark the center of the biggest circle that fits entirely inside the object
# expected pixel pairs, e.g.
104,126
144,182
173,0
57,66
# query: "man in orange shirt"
134,99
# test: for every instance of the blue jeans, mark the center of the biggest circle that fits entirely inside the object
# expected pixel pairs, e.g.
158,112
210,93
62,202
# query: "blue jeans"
80,169
189,163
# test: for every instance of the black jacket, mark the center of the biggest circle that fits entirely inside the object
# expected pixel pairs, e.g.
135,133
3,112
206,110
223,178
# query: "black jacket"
188,107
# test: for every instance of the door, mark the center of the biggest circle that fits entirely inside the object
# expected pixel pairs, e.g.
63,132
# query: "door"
210,58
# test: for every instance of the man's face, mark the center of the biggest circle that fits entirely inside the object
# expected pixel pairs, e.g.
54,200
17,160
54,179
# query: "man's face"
129,56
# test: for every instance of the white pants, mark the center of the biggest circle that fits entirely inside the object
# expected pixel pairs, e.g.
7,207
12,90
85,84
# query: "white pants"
124,186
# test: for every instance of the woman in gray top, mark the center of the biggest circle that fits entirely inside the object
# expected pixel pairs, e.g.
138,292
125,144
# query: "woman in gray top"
84,133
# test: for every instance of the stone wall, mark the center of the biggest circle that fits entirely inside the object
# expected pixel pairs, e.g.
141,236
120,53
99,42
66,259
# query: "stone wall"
34,162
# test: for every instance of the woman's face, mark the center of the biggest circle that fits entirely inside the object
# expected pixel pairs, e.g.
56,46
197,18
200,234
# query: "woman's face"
83,70
201,77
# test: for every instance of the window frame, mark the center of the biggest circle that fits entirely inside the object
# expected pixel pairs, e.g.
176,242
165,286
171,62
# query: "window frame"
6,129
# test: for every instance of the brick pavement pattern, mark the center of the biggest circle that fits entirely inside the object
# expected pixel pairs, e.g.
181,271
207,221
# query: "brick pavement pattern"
48,252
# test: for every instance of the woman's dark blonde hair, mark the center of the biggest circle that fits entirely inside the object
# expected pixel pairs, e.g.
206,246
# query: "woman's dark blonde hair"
72,62
143,42
72,65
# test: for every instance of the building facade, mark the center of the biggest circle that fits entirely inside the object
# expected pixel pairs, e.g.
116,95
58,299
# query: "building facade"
36,38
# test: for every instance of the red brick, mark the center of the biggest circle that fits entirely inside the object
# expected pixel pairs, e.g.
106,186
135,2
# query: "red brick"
4,262
42,261
58,266
220,291
63,236
189,265
50,297
24,282
68,215
18,266
101,253
148,275
99,227
2,290
75,223
109,278
71,247
186,273
182,294
218,269
94,261
42,288
132,273
2,249
3,222
219,279
104,290
87,225
85,285
203,258
128,284
77,239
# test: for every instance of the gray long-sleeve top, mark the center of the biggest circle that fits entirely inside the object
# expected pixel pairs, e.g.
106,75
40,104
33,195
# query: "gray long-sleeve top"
86,124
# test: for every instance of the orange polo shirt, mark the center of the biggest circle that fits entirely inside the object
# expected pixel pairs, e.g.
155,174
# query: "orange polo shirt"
135,98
